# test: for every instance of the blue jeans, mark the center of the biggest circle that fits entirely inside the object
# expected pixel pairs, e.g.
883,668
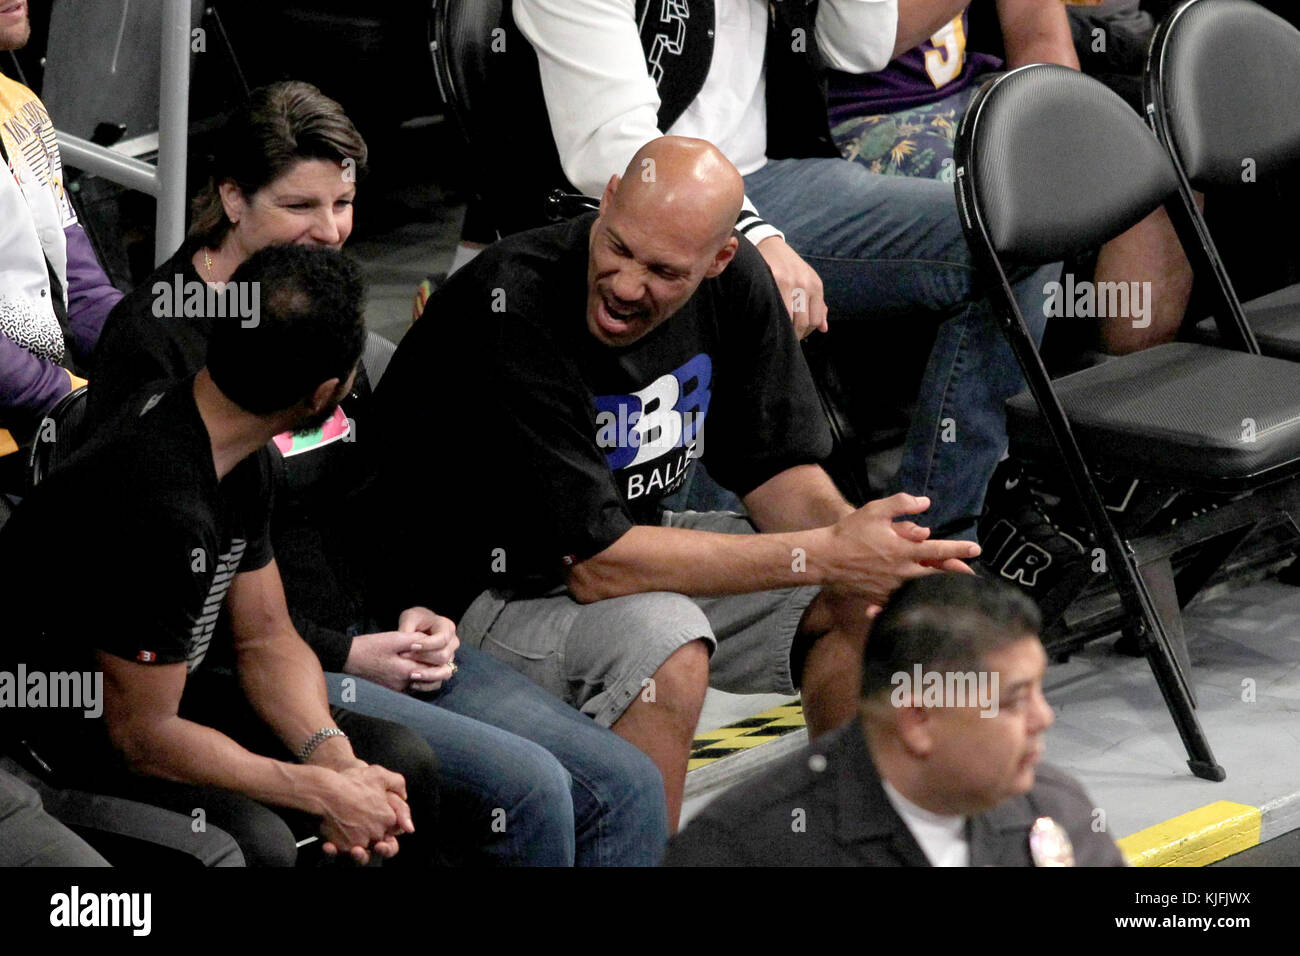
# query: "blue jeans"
699,492
891,248
534,781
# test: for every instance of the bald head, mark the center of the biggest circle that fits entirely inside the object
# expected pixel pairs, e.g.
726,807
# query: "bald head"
684,182
663,228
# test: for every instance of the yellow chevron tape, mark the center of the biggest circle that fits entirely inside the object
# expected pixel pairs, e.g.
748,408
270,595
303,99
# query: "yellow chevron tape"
734,737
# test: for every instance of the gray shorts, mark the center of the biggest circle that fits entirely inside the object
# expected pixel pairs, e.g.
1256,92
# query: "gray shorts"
599,656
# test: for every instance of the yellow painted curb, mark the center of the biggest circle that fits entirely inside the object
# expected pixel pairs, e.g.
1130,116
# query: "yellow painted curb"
1196,838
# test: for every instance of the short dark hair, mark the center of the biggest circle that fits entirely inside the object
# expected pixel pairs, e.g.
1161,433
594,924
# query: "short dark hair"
309,329
280,125
944,621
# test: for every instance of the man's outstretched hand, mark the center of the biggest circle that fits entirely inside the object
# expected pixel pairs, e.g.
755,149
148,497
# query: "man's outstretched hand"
872,552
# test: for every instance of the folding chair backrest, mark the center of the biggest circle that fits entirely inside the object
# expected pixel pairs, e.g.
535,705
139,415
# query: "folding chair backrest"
1223,81
487,72
59,434
463,42
1051,163
378,353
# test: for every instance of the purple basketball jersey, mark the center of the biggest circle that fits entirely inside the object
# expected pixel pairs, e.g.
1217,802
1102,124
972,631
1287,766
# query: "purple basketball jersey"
932,71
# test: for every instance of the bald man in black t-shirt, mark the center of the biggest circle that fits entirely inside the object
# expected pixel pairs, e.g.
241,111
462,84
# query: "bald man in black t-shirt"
555,394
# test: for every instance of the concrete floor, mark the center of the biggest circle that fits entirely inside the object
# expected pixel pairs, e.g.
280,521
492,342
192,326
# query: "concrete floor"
395,264
1113,732
408,221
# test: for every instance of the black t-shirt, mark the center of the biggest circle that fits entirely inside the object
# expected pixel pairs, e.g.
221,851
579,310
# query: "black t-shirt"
130,547
516,444
159,333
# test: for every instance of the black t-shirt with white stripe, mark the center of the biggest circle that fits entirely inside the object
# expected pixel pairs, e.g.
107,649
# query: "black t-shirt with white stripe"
131,546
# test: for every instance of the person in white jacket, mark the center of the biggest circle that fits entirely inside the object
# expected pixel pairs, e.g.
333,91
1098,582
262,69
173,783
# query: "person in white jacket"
54,295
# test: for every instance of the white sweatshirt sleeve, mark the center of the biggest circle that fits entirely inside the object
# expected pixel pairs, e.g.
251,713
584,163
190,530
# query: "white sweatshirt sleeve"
602,104
857,36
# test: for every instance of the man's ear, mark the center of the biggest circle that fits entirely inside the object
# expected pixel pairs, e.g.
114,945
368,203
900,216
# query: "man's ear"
723,257
323,395
607,196
916,728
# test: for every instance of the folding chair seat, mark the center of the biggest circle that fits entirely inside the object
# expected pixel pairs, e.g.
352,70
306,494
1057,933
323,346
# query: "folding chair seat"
1050,162
1207,418
1222,88
1275,320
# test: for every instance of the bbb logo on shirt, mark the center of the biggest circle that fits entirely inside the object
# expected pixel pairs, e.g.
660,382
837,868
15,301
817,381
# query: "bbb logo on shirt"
663,420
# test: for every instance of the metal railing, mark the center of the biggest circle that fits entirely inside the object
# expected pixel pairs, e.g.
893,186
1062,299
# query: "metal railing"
165,181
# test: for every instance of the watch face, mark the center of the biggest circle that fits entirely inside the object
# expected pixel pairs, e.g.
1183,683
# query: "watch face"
1049,844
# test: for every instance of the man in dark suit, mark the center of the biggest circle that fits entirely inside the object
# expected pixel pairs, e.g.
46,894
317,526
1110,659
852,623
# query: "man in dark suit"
941,766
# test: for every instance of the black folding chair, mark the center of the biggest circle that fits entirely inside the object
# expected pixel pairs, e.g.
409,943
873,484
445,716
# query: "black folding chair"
1222,89
1049,163
59,434
488,77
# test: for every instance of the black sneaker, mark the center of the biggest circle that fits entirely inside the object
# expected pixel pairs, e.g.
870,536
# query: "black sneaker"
1021,543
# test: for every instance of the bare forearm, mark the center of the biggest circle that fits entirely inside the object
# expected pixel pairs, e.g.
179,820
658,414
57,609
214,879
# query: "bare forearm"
869,552
698,563
918,20
282,679
798,499
185,752
279,673
1036,31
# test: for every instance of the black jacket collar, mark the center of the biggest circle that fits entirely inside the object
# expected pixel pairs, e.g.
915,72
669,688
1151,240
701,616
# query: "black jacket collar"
867,824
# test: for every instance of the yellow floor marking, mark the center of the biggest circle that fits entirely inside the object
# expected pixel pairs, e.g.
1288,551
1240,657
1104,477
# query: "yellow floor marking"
1197,838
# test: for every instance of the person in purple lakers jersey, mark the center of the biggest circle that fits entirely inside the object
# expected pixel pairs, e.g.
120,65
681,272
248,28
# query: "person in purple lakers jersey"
903,119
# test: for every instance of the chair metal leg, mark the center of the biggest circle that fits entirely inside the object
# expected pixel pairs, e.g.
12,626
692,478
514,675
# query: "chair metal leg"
1159,579
1149,597
1200,759
1162,657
